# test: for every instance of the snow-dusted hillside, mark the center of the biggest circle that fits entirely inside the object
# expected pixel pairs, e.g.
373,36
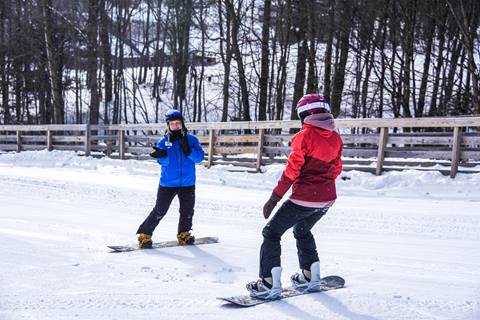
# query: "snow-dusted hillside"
406,243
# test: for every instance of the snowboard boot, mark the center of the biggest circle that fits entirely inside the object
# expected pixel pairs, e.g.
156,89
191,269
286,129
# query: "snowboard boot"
307,280
267,288
185,238
145,241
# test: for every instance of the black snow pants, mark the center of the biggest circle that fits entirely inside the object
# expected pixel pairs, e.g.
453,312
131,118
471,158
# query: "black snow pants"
165,195
302,219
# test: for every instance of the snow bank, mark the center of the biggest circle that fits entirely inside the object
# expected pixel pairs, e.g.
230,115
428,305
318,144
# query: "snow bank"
410,183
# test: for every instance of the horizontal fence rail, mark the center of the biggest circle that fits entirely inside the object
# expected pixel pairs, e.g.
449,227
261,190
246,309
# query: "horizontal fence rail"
371,142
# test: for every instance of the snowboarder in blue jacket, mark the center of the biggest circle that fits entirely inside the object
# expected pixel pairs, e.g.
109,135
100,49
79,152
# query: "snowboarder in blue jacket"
177,153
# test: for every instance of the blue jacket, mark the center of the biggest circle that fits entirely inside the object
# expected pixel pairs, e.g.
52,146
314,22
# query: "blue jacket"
178,170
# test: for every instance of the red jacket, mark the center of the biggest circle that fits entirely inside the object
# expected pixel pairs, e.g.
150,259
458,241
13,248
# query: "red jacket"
313,164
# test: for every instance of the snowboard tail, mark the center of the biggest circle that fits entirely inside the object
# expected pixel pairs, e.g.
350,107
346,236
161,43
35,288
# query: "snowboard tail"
163,244
327,283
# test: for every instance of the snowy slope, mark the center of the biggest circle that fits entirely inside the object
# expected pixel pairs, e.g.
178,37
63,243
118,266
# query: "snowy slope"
407,244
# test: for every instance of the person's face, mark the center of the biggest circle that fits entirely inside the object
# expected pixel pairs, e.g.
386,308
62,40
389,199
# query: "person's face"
175,125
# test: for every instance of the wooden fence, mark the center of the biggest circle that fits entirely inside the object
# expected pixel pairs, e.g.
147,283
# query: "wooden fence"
369,144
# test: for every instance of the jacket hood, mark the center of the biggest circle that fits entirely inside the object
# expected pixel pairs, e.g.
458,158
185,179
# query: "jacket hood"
321,120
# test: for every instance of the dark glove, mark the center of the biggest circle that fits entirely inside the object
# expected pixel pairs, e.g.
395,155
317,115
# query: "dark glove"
158,153
270,204
185,145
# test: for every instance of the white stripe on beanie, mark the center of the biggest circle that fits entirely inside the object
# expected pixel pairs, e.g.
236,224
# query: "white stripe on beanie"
314,105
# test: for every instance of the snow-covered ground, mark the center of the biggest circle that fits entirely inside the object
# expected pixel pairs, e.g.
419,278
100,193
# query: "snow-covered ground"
407,243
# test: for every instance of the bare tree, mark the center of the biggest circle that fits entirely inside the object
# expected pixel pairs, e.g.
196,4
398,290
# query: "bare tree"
302,52
225,53
106,58
52,63
429,30
382,57
235,15
263,81
345,15
328,50
466,16
179,45
3,62
284,26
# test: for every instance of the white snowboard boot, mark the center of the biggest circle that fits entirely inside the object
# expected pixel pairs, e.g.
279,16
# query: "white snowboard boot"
263,289
307,280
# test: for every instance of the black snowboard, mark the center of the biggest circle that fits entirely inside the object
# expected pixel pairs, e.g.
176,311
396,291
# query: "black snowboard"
327,283
163,244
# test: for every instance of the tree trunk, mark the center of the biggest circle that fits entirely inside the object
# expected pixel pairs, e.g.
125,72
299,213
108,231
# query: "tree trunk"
201,90
92,30
426,69
263,82
52,63
235,18
312,77
180,44
449,81
283,31
343,44
107,60
395,85
368,70
18,84
407,46
225,55
383,66
299,84
433,111
327,86
358,80
142,78
467,20
271,82
302,54
3,68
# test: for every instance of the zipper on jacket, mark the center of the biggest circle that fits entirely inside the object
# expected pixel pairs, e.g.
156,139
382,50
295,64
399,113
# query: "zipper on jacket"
181,163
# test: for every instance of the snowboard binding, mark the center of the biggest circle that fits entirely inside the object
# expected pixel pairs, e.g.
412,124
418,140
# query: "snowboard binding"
261,289
308,281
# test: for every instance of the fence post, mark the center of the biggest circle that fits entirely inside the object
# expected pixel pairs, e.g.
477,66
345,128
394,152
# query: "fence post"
19,141
382,143
109,143
88,144
457,137
261,138
121,138
49,140
211,141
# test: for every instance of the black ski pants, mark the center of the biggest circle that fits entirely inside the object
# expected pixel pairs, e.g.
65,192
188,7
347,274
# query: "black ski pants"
165,195
302,219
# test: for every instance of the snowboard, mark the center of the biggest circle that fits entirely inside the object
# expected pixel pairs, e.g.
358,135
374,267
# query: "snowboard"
327,283
163,244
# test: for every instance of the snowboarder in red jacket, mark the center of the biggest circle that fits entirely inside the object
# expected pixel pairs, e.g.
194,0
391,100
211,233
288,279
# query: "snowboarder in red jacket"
313,164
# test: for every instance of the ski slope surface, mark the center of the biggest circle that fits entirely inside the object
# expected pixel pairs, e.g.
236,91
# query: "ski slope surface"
407,244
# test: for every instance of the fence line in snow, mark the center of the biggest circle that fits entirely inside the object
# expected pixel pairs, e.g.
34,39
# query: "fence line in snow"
368,141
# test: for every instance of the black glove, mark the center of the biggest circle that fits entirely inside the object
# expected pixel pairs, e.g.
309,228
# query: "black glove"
185,145
270,204
158,153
